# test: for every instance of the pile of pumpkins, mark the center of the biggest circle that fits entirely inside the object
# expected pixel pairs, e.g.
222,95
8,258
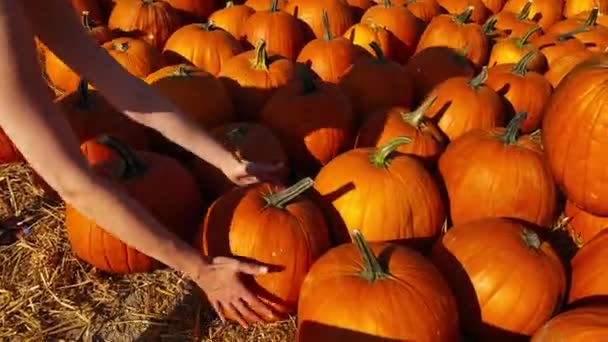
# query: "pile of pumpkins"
429,148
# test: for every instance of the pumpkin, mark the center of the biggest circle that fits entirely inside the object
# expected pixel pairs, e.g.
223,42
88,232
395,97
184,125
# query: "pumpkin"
544,12
203,45
431,66
581,225
247,140
494,6
310,12
263,5
389,196
589,280
273,225
91,7
151,20
372,83
399,21
479,12
602,18
512,50
319,124
506,280
391,122
101,33
139,58
252,76
464,104
515,24
150,179
572,8
58,74
523,90
192,10
281,32
464,36
554,46
516,183
370,286
231,18
586,323
363,34
425,10
564,64
329,57
595,37
575,117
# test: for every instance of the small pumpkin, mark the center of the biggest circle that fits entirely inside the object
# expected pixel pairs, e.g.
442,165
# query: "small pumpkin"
139,58
506,280
544,12
512,50
554,46
594,36
425,10
602,18
515,24
310,12
523,90
582,225
391,122
494,6
150,179
585,323
192,10
203,45
479,12
252,76
231,18
363,34
573,8
564,64
273,225
375,281
264,5
589,279
464,104
516,183
388,195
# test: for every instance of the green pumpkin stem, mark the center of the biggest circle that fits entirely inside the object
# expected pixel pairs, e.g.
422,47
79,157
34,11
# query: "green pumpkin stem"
592,19
569,35
236,135
525,11
327,34
387,3
531,239
282,198
83,94
274,6
207,26
133,166
309,84
372,269
521,68
261,57
490,26
416,117
523,40
509,137
377,50
380,157
480,79
465,16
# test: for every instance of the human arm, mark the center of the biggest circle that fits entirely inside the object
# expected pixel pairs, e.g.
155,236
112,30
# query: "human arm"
43,136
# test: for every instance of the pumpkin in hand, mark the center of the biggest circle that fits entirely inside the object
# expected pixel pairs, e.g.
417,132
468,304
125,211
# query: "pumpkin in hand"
585,323
150,179
371,285
589,279
506,280
273,225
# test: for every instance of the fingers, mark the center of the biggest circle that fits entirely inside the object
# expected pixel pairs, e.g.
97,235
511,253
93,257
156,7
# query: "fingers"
252,268
217,306
246,313
260,168
237,316
259,307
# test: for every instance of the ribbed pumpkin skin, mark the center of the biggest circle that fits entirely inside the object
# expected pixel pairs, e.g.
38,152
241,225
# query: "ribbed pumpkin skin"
586,323
589,276
136,56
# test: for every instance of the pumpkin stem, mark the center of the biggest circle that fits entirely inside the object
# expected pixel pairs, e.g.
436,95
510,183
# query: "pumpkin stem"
569,35
208,26
489,26
183,70
308,81
121,46
327,34
261,57
530,238
509,137
274,6
83,94
377,50
387,3
592,19
521,68
525,11
523,40
133,166
229,4
416,117
480,79
464,17
235,135
86,21
380,157
372,270
282,198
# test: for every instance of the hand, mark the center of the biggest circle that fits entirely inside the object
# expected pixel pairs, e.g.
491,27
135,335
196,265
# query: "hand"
222,283
243,172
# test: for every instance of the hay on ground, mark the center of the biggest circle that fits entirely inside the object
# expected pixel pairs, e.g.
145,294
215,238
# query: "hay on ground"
47,294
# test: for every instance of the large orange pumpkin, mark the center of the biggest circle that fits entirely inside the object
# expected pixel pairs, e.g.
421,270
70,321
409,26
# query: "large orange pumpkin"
137,57
310,12
573,135
572,8
593,35
231,18
153,181
273,225
586,323
387,195
563,65
589,278
496,173
553,46
507,281
379,292
582,225
365,33
425,10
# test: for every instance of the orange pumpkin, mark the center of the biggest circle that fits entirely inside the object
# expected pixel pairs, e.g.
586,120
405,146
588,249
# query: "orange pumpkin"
389,196
572,135
586,323
231,18
464,104
588,31
151,20
310,12
494,6
479,12
363,34
203,45
515,24
523,90
589,279
252,76
150,179
281,31
368,296
136,56
602,18
273,225
564,64
193,10
320,123
372,83
464,36
583,226
544,12
58,74
572,8
264,5
389,123
512,50
330,57
425,10
8,151
516,183
554,46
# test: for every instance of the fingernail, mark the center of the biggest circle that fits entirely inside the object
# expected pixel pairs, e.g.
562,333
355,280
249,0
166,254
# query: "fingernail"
264,269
